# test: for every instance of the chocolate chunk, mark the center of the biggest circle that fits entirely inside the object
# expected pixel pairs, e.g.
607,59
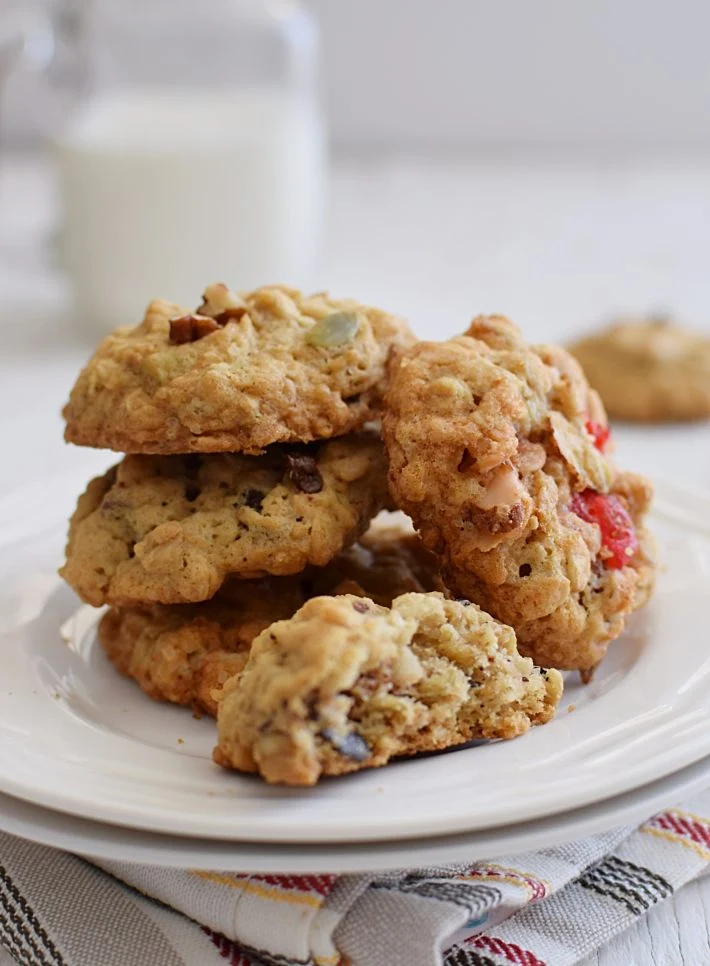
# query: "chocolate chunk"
190,328
254,499
351,745
524,570
361,606
304,473
192,491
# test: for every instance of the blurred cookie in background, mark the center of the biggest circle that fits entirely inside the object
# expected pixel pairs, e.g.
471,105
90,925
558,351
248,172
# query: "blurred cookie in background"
649,370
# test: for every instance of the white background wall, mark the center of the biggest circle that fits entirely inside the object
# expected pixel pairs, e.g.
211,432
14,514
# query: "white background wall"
573,75
606,77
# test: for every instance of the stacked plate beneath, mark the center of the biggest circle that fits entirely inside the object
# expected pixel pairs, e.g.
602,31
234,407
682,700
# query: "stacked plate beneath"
88,763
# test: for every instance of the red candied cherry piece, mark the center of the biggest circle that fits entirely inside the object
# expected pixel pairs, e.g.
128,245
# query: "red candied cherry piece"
611,516
600,434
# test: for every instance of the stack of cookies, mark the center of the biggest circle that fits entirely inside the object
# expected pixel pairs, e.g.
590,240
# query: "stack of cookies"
234,549
249,464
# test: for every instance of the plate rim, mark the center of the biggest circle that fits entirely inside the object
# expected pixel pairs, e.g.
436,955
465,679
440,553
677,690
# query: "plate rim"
100,841
124,815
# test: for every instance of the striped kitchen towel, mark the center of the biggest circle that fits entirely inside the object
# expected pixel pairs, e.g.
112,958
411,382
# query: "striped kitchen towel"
548,908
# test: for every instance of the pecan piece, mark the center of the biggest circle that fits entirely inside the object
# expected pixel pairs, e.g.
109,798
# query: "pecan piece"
190,328
497,519
231,315
218,299
304,473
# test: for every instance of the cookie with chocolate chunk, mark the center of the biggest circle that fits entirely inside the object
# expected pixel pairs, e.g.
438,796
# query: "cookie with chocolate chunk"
649,370
240,373
499,451
184,652
172,529
347,684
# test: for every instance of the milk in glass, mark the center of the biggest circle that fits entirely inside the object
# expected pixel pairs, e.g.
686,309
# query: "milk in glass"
165,191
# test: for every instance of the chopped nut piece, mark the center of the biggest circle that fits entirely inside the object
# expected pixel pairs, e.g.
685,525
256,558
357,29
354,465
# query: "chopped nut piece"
498,520
530,457
335,329
583,460
181,330
190,328
218,299
231,315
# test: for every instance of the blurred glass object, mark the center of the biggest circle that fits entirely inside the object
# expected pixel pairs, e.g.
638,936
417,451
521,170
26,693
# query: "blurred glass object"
33,43
41,44
196,152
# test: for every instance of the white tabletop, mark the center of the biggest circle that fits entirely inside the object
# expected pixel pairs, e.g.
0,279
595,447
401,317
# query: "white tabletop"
554,246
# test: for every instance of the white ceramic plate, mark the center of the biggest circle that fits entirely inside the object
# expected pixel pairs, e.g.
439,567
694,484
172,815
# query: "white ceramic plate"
76,737
101,841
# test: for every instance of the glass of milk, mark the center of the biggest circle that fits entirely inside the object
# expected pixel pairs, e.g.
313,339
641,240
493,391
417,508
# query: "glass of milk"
198,154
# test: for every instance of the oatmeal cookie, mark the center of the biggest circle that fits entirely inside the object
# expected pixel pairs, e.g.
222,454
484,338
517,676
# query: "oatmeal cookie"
649,370
499,453
241,372
347,684
171,529
184,652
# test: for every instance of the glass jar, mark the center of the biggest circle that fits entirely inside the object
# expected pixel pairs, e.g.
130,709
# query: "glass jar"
197,153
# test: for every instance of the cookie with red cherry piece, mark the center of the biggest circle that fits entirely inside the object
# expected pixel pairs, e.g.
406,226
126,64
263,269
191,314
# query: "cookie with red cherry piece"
500,453
649,370
239,373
